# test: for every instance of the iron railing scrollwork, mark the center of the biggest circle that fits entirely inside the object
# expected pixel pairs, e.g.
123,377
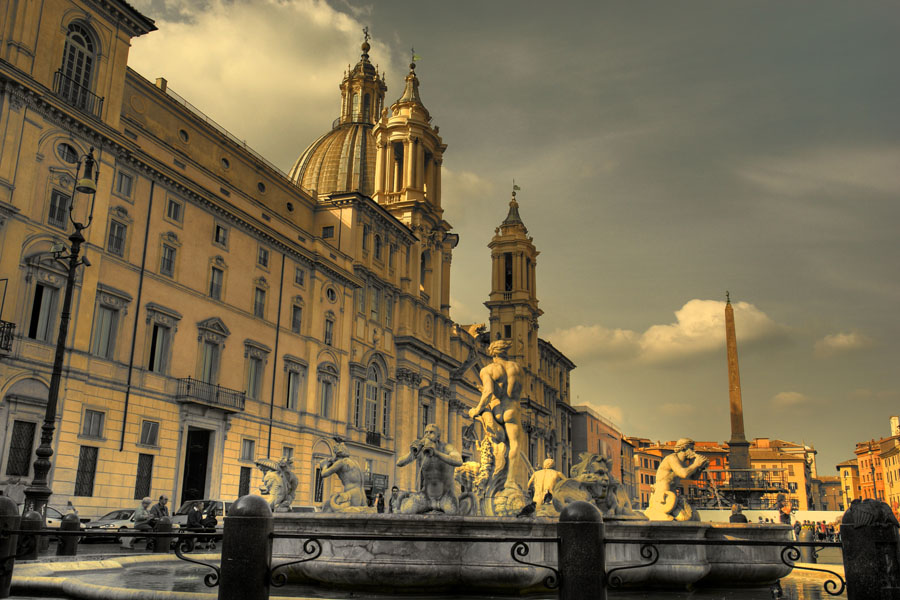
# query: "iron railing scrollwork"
791,554
648,551
311,546
6,335
520,548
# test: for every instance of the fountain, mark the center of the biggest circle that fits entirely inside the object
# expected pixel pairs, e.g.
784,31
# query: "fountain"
485,548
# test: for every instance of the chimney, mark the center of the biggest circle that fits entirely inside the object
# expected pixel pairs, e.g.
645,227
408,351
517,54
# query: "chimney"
895,425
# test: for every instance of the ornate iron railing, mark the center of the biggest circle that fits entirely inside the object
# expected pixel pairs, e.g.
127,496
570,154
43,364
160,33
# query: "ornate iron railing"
6,335
194,390
76,94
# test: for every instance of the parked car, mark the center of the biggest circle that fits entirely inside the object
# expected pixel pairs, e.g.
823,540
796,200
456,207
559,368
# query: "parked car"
179,519
54,516
112,523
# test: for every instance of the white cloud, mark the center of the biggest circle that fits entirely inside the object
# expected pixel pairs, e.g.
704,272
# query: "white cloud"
699,328
613,413
461,189
840,343
283,58
787,399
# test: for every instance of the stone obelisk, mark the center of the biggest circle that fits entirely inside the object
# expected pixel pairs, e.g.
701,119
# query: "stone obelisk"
738,446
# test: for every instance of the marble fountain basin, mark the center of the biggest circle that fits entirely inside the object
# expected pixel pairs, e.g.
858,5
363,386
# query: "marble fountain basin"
480,560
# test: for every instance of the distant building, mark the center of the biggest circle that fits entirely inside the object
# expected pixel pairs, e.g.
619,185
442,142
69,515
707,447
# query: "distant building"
848,474
592,432
870,457
827,492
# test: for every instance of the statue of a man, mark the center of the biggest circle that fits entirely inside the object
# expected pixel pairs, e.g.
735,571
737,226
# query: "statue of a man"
351,477
437,462
501,387
683,463
544,480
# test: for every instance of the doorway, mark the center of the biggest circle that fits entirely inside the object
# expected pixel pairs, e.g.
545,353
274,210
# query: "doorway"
196,463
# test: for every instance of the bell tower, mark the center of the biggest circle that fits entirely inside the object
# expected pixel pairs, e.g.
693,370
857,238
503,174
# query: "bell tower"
362,90
513,303
408,158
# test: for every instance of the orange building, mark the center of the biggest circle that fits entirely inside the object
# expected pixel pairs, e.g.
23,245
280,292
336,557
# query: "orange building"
848,473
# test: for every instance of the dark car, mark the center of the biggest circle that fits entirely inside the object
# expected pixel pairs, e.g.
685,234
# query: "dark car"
179,519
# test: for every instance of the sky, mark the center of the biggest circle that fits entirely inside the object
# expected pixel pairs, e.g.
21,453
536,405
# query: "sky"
666,152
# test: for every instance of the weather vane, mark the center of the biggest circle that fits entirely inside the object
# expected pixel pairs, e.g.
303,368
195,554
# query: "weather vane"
366,33
515,187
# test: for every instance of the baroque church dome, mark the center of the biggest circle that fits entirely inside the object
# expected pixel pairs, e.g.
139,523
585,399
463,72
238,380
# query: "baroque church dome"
343,159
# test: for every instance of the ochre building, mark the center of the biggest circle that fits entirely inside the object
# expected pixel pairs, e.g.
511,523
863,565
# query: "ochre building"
231,311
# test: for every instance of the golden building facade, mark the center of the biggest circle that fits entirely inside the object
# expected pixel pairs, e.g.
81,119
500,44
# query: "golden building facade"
230,311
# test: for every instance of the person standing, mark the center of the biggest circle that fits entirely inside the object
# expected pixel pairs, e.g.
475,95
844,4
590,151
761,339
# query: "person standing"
379,502
394,502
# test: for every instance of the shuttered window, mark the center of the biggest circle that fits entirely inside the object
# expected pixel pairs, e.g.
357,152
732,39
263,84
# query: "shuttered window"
87,468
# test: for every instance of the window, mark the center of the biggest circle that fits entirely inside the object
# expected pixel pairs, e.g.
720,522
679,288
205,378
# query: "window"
294,386
358,402
365,237
328,232
331,295
507,271
299,276
254,377
220,236
105,332
259,303
507,331
66,153
287,452
209,362
174,210
87,467
159,348
244,482
167,261
216,279
359,295
43,312
59,206
262,257
371,399
77,68
391,251
149,433
115,243
327,383
319,488
377,247
386,413
143,480
296,318
124,184
426,419
329,331
21,446
93,424
248,449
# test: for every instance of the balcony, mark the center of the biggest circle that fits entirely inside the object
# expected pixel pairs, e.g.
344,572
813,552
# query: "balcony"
6,336
76,94
373,438
200,392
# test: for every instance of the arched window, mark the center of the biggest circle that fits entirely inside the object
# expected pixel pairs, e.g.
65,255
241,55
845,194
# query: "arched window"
354,107
377,247
328,378
78,67
367,106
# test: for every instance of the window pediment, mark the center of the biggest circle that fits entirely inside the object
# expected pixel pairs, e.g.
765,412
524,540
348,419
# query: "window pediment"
213,330
162,315
112,297
256,350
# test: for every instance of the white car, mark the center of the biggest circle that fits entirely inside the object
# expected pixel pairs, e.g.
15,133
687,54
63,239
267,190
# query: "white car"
112,523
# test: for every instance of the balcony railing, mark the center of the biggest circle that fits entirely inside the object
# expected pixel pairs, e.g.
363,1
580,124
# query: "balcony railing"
76,94
6,335
373,438
194,390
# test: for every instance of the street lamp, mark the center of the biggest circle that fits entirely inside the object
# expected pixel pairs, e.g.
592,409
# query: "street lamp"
38,493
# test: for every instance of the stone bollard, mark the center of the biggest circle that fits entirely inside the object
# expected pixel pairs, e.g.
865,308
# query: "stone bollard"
68,544
582,562
871,547
28,544
806,552
246,550
9,519
162,544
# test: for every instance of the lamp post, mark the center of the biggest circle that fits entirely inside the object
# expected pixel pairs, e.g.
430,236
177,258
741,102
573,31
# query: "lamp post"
38,493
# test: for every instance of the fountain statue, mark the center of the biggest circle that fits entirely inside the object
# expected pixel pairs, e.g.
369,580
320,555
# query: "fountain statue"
352,498
592,481
683,463
279,482
436,461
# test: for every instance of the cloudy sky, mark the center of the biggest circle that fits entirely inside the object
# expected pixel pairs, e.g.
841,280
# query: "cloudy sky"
666,152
